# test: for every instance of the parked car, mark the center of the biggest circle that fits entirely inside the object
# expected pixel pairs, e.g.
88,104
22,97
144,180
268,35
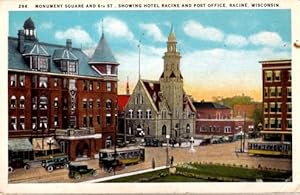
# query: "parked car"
17,163
110,164
77,171
56,162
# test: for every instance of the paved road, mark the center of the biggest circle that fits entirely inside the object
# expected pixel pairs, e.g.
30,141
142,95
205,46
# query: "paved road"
219,153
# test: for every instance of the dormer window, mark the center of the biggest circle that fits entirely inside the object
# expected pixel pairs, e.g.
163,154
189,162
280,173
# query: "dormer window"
39,63
72,67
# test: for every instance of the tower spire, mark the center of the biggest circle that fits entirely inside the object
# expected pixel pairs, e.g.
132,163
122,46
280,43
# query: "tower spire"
139,46
102,26
127,86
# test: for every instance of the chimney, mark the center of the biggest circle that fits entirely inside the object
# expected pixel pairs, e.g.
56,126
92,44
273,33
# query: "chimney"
21,39
69,44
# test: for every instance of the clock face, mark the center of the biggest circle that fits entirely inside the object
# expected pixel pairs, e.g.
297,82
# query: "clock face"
73,92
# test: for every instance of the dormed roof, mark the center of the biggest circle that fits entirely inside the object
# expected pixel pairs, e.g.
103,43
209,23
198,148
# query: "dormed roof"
29,24
212,105
64,54
35,49
103,53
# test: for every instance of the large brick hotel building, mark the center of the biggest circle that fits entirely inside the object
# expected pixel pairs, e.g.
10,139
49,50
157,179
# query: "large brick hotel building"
277,100
60,100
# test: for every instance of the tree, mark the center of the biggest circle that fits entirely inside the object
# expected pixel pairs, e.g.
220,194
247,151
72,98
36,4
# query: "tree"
257,116
231,101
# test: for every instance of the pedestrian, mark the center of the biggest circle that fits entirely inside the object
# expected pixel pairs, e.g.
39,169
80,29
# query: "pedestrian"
172,159
153,163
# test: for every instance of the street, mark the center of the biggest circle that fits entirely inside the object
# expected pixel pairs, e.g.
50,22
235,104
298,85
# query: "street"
215,153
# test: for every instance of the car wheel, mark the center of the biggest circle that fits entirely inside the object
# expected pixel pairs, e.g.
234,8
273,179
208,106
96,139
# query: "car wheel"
26,167
77,176
10,169
94,173
66,166
50,169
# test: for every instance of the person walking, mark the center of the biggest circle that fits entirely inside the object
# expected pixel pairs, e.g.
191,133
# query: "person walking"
153,163
172,160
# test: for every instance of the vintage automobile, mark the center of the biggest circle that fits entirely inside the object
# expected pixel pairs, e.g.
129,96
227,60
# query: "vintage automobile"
112,164
17,163
55,162
77,171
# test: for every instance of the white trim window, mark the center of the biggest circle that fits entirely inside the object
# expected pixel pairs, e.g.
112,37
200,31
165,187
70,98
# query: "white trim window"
108,69
34,102
55,82
43,82
268,76
55,123
13,123
43,122
266,92
289,92
22,102
289,107
91,103
266,108
277,75
289,123
22,123
55,102
84,103
266,123
278,123
272,91
227,129
91,85
108,86
272,123
279,92
130,112
278,105
22,80
139,113
13,101
13,80
273,107
148,114
33,123
43,103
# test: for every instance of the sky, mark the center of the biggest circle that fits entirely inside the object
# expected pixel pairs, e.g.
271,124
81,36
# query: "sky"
220,49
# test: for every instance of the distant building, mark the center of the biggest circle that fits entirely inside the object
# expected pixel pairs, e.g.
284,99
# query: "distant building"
59,99
213,119
160,108
245,110
277,100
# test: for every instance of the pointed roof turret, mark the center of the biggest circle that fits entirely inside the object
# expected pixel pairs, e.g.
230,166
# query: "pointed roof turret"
103,53
172,36
29,24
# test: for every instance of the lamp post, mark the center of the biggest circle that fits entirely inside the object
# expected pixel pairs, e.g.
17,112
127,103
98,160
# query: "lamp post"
50,142
192,144
167,150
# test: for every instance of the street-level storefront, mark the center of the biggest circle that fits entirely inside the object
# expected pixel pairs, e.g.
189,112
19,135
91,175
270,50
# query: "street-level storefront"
45,146
20,148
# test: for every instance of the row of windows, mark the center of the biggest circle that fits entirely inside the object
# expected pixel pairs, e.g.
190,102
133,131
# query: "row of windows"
43,103
14,82
164,129
215,129
275,107
276,91
89,86
39,63
274,123
275,76
139,114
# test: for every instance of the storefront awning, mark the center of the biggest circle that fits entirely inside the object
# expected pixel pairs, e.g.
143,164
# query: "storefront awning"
18,145
47,143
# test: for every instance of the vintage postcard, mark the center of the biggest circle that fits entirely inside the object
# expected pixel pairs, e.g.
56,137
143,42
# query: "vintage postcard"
149,97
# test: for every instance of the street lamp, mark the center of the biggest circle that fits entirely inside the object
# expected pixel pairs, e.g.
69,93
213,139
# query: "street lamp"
192,144
50,142
167,150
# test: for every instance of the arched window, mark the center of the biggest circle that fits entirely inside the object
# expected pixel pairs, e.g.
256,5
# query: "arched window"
22,101
164,130
91,103
56,102
13,101
108,104
139,113
130,112
188,130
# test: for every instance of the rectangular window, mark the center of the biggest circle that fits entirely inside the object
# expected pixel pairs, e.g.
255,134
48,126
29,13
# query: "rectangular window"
55,121
268,76
91,85
273,107
108,104
98,103
65,103
22,102
13,123
43,63
91,121
266,107
108,120
33,123
91,103
227,129
108,86
43,102
84,123
13,102
148,114
130,113
13,80
289,91
34,81
266,92
73,121
34,103
33,62
63,66
266,123
84,103
278,123
55,82
98,85
43,82
277,75
72,67
278,107
272,123
43,122
65,83
22,80
55,102
289,123
108,69
289,107
272,91
278,91
290,75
